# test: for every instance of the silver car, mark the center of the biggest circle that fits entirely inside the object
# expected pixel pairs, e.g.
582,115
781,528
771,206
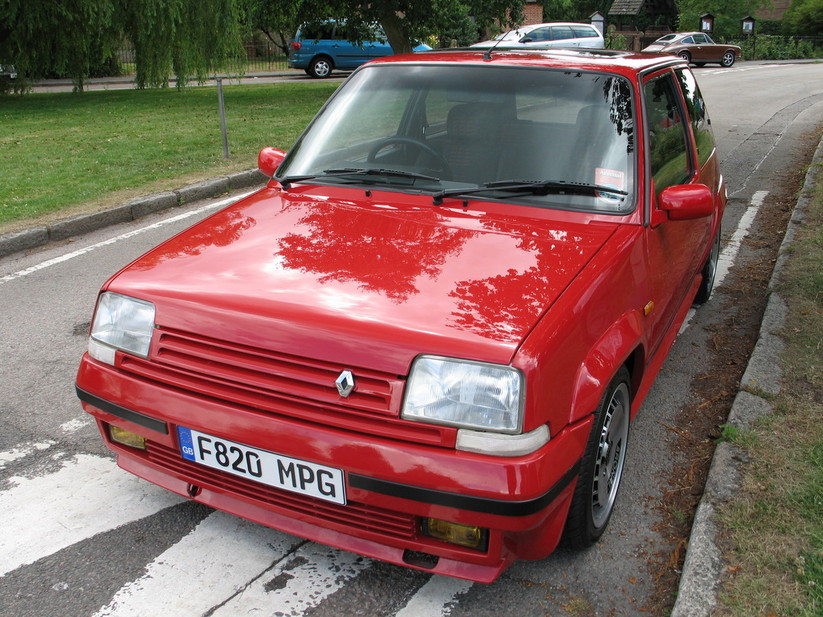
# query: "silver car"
555,34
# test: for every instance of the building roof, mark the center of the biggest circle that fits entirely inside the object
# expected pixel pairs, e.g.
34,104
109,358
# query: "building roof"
633,7
626,7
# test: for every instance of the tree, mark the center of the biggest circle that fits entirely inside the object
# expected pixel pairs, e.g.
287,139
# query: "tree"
187,38
804,18
277,20
573,10
727,14
405,21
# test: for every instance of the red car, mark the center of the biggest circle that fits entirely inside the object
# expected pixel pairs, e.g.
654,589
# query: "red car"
424,340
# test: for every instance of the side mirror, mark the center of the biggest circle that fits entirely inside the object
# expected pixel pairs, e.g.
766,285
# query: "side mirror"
687,201
269,160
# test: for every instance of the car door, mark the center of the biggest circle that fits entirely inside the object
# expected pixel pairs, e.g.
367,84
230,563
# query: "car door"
704,48
671,256
563,36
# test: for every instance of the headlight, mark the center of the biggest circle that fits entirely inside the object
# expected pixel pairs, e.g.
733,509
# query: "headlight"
121,323
468,394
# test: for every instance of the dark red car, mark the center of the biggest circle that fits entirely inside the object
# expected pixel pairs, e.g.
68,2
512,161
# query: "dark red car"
424,340
695,47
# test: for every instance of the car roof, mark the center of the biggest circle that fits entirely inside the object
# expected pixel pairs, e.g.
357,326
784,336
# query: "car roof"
552,23
607,60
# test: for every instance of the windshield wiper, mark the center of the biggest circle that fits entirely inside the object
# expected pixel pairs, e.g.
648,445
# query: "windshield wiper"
536,187
354,171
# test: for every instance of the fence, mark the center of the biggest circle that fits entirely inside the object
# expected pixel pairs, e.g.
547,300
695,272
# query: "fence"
262,57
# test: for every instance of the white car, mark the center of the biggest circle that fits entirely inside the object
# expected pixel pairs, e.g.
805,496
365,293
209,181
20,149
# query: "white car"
7,70
556,34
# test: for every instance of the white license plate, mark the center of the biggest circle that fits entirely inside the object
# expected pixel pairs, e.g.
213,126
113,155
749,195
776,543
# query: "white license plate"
290,474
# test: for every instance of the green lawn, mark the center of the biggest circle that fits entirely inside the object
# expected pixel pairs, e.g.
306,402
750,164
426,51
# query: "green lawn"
63,153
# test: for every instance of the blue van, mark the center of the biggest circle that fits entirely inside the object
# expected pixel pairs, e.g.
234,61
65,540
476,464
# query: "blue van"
320,49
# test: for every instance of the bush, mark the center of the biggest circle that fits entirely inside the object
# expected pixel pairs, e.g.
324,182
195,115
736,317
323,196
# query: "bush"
769,47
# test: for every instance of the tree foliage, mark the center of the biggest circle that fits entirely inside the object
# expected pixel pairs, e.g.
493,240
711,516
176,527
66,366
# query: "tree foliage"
406,21
804,18
186,38
727,14
191,39
574,10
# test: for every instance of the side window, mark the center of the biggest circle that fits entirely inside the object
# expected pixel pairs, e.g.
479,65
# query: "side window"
689,40
668,152
561,33
701,126
538,34
584,33
316,32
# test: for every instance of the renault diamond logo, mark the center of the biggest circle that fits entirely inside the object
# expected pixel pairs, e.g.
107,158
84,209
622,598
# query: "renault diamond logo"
345,383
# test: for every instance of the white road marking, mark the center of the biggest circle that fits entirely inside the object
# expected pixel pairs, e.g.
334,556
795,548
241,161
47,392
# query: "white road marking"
727,256
436,598
130,234
23,451
87,496
211,564
301,582
72,426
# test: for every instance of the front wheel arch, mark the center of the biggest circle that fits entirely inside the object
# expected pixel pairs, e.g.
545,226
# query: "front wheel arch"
602,465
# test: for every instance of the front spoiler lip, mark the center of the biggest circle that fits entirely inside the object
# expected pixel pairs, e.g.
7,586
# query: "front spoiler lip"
483,505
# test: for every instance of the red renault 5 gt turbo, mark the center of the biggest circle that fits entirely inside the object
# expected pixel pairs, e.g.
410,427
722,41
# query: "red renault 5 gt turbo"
424,340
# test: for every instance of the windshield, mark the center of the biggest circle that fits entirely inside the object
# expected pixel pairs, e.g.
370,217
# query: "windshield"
462,127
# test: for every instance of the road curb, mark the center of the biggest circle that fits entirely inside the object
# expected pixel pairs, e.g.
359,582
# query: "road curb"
132,210
703,568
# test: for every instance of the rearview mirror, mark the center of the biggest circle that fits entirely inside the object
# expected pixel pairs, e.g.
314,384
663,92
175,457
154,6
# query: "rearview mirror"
687,201
269,160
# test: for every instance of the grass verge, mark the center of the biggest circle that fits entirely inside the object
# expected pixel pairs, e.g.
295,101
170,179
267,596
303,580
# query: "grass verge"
776,523
65,153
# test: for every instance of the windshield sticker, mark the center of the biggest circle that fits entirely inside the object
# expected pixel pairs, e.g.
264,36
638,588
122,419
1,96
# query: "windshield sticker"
611,178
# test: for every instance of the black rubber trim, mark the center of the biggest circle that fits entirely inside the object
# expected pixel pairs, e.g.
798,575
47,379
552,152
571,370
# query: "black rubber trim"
121,412
464,502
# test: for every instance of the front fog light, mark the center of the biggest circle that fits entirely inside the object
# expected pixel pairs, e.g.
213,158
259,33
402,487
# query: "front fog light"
454,533
126,438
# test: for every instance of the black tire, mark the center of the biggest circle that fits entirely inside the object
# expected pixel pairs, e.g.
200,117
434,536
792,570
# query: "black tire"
709,272
602,466
686,56
728,58
321,67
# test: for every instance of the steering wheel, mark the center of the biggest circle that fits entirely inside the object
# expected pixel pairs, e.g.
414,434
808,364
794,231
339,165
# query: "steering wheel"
410,141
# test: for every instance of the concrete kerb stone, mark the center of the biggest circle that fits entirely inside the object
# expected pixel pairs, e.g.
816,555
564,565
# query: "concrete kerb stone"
702,570
132,210
202,190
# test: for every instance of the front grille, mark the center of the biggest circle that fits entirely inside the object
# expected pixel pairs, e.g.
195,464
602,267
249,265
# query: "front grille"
289,386
249,369
360,516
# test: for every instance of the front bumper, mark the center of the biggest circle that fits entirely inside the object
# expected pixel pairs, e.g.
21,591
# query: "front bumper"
391,485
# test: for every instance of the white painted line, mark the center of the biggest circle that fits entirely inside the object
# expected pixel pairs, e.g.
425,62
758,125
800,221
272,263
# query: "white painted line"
300,583
136,232
72,426
86,496
727,256
23,451
436,598
214,562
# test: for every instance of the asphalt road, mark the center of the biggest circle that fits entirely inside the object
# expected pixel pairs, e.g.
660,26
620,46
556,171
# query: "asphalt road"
80,537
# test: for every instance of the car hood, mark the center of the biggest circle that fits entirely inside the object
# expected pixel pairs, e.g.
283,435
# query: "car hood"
368,280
